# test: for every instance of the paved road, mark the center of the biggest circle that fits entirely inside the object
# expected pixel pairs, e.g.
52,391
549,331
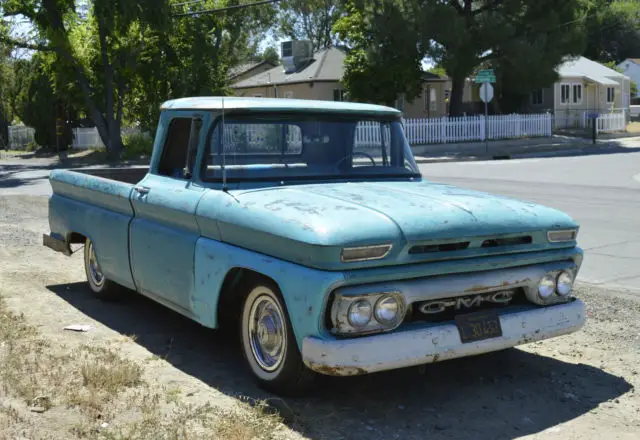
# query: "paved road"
602,192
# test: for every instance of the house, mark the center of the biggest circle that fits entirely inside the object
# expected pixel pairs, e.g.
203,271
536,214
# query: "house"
584,87
307,75
247,70
631,68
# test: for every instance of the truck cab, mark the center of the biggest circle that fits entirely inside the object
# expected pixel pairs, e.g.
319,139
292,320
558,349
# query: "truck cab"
308,226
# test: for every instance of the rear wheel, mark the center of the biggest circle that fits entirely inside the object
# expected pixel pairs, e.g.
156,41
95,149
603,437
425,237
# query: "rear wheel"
99,284
268,343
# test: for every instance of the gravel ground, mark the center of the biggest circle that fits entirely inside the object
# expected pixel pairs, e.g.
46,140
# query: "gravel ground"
574,387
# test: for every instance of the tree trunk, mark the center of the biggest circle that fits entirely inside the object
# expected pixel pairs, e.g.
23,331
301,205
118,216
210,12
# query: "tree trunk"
457,91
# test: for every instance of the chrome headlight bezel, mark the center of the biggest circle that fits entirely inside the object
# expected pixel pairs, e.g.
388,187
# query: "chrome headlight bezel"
365,253
555,297
341,305
562,235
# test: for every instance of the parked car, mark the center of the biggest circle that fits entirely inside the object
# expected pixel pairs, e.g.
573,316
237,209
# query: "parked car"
308,225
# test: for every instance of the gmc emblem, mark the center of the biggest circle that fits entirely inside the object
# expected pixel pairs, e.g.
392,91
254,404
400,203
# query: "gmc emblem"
466,302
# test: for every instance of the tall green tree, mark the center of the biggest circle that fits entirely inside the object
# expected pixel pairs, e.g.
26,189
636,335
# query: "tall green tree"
613,30
383,50
193,55
100,52
524,39
309,20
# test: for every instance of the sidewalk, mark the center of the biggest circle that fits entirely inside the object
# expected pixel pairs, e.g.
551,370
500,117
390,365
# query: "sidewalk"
520,148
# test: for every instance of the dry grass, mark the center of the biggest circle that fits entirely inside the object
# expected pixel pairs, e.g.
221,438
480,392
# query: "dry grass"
633,127
94,385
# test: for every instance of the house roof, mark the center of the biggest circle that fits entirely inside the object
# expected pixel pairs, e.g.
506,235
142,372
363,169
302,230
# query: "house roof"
240,69
585,68
326,65
232,103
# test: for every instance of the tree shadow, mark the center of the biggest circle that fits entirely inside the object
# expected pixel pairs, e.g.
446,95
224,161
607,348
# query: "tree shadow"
500,395
10,175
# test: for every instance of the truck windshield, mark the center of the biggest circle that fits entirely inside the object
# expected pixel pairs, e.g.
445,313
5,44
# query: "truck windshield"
307,147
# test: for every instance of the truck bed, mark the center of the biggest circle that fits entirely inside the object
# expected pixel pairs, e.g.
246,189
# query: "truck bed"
126,175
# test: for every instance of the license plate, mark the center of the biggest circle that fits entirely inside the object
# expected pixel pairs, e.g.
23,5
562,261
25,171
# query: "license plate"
478,326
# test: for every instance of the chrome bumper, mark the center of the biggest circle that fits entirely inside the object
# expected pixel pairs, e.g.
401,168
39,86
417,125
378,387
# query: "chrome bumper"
347,357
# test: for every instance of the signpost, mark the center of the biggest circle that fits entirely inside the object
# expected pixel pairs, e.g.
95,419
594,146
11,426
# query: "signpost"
485,76
486,95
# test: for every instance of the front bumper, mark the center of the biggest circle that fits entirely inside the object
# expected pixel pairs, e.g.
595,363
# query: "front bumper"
347,357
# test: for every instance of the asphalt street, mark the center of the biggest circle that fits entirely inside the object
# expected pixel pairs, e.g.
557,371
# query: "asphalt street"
602,192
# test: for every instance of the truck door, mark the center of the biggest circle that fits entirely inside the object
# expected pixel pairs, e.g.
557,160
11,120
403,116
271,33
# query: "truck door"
164,230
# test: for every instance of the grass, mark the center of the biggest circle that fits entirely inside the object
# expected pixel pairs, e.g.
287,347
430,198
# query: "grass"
94,385
633,127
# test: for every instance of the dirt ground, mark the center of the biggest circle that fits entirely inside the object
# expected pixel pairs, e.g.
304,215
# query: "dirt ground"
176,374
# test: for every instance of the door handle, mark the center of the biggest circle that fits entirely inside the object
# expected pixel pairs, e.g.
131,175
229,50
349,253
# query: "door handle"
142,190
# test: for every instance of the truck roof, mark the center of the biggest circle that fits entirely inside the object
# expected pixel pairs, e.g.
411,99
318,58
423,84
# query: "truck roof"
277,105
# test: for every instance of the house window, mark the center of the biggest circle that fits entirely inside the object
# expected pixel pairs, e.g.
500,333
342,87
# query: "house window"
430,100
433,100
577,93
338,95
537,97
611,95
565,91
288,94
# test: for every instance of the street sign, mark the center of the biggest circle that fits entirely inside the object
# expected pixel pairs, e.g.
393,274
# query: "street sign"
485,76
486,92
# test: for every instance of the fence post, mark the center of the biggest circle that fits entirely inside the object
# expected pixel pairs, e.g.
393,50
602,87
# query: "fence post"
443,129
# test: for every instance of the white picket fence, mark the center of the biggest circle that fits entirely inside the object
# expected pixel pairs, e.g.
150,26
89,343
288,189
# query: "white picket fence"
609,122
85,138
476,128
612,121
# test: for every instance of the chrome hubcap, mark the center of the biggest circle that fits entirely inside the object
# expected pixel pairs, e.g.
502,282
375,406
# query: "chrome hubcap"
94,268
267,333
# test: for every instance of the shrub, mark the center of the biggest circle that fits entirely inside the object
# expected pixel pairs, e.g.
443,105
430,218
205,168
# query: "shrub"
137,144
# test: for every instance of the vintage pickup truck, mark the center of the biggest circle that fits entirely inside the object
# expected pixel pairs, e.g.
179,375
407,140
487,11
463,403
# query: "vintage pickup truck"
308,225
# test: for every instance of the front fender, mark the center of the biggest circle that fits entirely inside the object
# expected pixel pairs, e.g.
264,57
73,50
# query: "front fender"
304,289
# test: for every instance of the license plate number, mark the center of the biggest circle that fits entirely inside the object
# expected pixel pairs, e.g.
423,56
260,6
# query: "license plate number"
478,326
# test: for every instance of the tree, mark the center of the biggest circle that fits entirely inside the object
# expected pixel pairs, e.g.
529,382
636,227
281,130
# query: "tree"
523,39
613,30
383,54
271,55
192,56
100,52
309,20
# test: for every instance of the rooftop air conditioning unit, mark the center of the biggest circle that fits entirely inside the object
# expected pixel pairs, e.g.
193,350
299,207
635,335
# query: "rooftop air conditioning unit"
296,54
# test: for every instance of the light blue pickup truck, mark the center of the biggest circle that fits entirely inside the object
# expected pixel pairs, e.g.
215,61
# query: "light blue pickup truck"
307,226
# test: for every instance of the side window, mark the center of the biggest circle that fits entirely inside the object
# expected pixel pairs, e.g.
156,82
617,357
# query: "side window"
372,144
564,93
181,144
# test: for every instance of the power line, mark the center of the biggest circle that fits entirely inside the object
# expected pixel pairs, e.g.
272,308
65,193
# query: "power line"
227,8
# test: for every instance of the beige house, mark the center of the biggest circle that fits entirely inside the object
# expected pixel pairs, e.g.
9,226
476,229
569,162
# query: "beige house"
584,87
307,75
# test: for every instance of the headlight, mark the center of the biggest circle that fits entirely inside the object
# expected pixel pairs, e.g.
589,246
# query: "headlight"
564,284
366,313
360,313
562,236
365,253
387,310
547,286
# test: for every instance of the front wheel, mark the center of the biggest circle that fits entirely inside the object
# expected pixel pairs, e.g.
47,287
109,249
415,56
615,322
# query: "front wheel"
268,343
99,284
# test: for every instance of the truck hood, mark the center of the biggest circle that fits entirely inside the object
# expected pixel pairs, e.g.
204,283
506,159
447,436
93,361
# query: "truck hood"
311,223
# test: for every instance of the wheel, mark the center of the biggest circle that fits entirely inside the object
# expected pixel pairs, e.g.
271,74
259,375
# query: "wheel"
99,284
268,343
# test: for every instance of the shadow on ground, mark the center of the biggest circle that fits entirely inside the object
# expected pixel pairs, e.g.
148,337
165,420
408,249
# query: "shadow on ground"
501,395
12,175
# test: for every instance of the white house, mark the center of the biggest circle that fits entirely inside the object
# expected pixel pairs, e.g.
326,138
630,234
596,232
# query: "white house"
584,87
631,68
